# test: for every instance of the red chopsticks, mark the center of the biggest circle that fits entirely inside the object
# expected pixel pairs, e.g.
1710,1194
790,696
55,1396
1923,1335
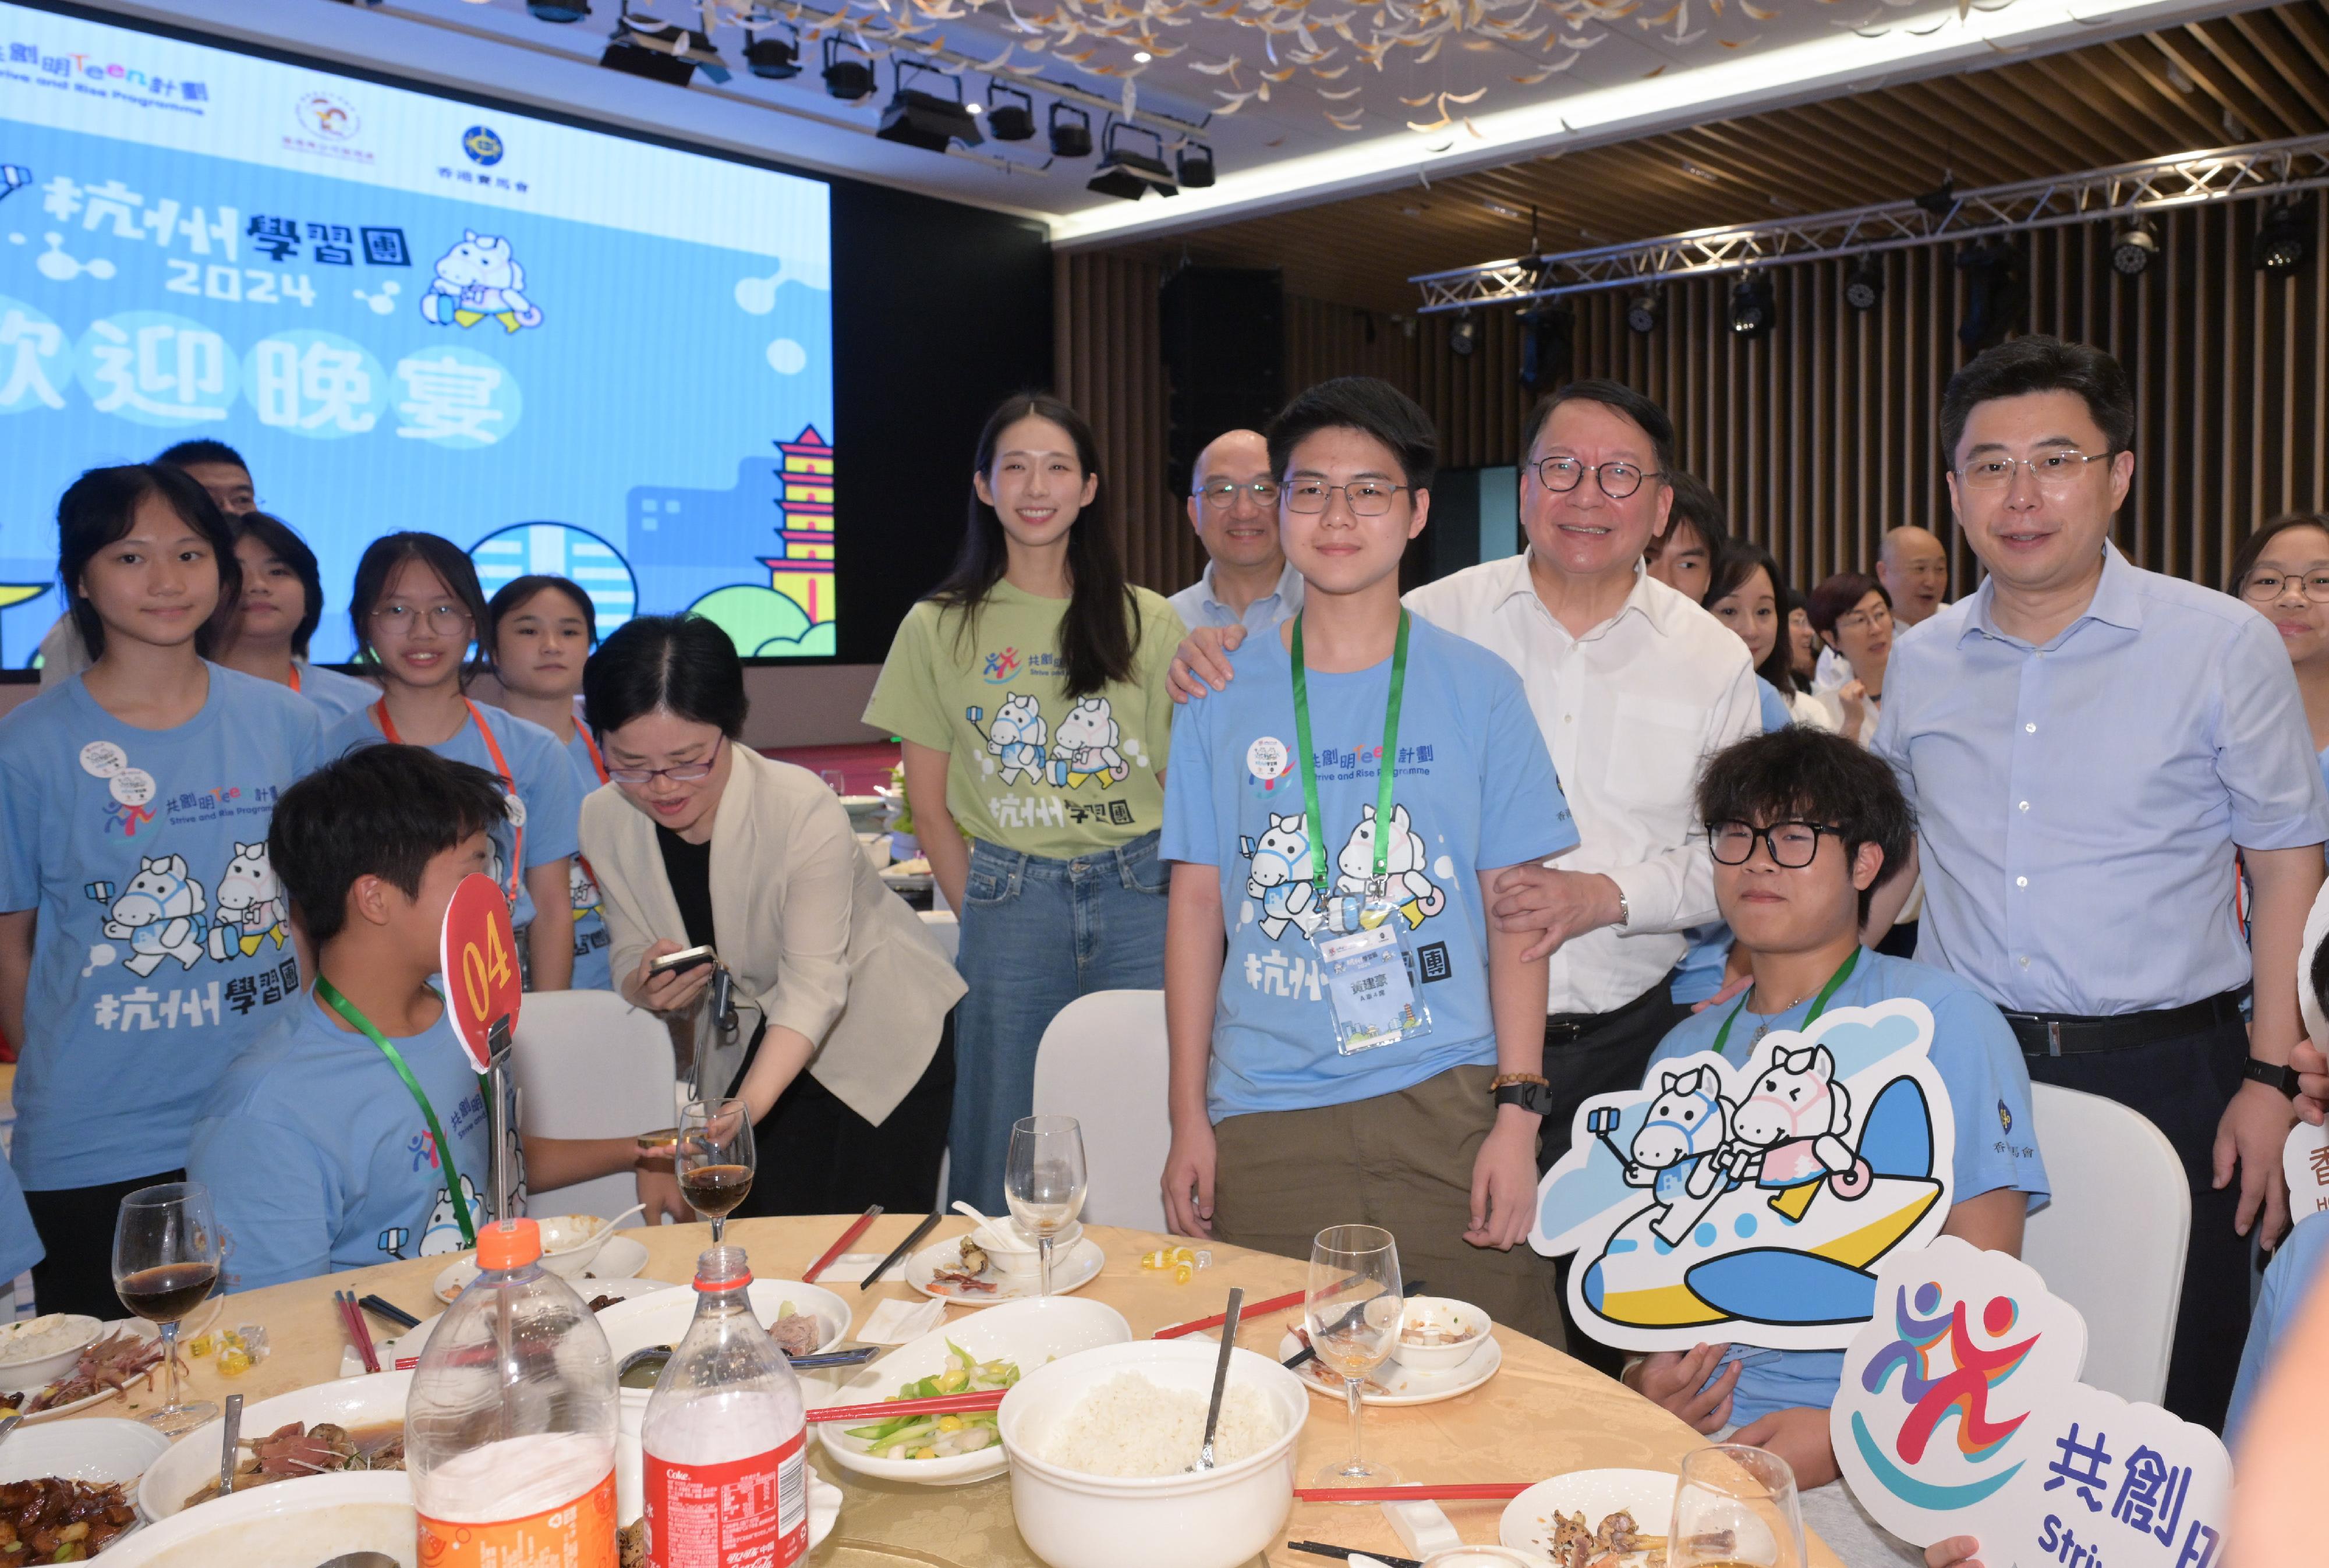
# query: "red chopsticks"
841,1246
1196,1325
945,1404
1453,1491
359,1331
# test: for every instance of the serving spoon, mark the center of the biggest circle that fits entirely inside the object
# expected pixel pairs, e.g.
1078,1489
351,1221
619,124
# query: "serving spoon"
1220,1377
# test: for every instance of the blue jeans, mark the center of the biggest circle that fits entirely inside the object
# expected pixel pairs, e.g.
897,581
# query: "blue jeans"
1036,934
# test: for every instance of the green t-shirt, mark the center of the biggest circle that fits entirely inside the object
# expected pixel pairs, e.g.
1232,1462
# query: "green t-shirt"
1028,768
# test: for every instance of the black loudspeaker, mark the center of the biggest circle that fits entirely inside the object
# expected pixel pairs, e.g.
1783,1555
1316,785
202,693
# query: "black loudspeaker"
1224,337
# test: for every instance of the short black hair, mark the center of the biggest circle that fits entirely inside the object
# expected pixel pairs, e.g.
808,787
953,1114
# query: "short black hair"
2039,363
278,539
1617,397
682,662
1699,508
516,592
203,451
99,507
1805,774
378,810
1368,405
448,559
1838,595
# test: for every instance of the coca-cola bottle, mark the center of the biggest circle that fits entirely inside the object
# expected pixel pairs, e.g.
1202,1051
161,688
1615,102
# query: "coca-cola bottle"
725,1480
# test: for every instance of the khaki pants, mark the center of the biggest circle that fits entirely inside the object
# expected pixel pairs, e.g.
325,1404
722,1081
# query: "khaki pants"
1402,1161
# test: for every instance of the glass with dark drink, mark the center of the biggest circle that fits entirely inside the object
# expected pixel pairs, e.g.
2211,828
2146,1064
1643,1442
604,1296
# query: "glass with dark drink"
716,1158
166,1254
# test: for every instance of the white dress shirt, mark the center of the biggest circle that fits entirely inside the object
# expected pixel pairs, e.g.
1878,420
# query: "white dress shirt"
1629,711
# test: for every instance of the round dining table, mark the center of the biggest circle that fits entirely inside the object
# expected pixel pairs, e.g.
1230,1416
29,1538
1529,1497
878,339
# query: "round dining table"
1541,1414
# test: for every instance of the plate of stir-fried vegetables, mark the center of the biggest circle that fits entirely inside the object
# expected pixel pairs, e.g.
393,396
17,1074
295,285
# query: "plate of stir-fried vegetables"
942,1437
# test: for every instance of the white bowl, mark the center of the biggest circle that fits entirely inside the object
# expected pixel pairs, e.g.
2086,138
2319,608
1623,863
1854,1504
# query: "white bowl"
571,1242
99,1450
662,1317
38,1373
1443,1312
1218,1518
1017,1263
289,1524
1032,1333
194,1458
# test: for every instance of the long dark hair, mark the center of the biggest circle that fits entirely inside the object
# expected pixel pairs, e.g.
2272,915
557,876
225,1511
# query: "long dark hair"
99,507
1738,560
448,559
1101,629
277,538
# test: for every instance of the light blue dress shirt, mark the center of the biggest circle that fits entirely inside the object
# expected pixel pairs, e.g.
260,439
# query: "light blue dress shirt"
2079,804
2289,1282
1196,605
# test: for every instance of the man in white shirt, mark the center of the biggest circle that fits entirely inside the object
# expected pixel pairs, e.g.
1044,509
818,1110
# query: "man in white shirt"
1914,568
1233,506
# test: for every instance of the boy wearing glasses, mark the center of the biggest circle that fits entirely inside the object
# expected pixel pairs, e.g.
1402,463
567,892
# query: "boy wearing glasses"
1368,1050
1233,506
1803,826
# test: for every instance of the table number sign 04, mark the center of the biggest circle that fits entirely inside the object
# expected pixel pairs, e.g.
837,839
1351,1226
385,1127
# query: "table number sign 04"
476,953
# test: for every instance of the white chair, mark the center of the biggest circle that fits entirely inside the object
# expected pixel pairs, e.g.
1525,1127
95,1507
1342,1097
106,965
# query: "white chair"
1103,1062
589,1064
2111,1241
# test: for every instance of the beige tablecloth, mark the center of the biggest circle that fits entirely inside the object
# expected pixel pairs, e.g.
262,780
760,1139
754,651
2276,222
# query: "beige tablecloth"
1543,1414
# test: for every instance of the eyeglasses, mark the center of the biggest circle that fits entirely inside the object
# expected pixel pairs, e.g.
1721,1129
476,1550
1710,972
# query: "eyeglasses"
2266,586
1225,492
1366,497
1618,480
401,619
2053,470
685,773
1792,845
1863,620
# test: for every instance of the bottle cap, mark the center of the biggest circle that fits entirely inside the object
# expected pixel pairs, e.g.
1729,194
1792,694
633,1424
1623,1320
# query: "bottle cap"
509,1245
723,1268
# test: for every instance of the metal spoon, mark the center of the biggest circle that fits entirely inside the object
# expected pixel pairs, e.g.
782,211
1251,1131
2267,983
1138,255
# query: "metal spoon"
229,1442
10,1422
1220,1376
359,1559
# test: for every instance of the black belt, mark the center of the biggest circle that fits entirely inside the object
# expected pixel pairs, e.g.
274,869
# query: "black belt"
1568,1028
2077,1035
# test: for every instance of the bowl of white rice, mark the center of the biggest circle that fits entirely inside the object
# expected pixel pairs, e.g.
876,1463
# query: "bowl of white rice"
1098,1444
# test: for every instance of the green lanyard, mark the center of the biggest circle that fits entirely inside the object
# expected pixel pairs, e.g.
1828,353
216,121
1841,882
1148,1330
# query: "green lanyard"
1383,763
1819,1005
347,1010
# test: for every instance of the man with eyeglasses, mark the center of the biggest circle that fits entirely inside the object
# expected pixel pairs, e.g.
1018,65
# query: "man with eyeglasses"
1233,506
2096,752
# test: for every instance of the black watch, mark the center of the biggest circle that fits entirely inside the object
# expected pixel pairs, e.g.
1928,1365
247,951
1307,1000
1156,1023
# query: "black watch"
1533,1098
2275,1074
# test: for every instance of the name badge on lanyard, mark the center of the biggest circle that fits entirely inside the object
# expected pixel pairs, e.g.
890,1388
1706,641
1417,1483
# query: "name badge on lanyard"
1364,952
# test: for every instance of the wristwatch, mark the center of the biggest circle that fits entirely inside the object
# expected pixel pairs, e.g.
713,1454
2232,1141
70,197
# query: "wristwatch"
1525,1089
2276,1074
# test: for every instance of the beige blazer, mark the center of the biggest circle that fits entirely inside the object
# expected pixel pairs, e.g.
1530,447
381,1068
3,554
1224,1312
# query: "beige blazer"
815,941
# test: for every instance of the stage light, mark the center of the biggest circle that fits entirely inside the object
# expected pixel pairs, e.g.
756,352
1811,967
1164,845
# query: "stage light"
1196,163
2133,247
698,47
559,10
1464,336
1863,285
1941,200
773,58
1010,122
2283,240
1071,137
924,119
1131,175
636,52
1643,310
1753,307
850,81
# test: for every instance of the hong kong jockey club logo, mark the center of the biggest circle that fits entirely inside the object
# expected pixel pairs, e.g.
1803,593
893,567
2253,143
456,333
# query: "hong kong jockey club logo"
328,116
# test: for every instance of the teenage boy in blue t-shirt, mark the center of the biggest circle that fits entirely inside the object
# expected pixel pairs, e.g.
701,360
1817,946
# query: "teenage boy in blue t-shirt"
320,1153
1297,1104
1803,825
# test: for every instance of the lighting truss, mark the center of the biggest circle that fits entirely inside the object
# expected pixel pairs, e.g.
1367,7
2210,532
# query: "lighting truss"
2155,184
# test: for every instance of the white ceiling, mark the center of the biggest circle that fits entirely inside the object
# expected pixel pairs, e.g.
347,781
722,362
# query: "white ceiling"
1542,77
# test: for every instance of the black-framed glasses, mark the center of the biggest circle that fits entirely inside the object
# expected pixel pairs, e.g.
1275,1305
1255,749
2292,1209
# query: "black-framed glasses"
1792,845
2056,470
685,773
1618,480
1224,493
2264,587
1366,497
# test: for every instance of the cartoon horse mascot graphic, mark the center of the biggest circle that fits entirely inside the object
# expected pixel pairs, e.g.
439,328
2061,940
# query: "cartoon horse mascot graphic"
1404,885
443,1233
1084,747
477,278
1016,738
1790,1132
250,904
1676,1151
161,914
1280,875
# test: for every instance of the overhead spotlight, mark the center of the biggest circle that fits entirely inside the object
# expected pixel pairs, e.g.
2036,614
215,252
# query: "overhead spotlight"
657,54
1009,121
1196,166
924,119
1071,136
559,10
1941,200
1548,344
2283,240
2133,247
773,58
1754,309
1464,336
1863,285
1131,175
1643,311
850,81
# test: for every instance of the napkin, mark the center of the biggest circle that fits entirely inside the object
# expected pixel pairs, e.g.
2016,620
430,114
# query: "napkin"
896,1322
849,1268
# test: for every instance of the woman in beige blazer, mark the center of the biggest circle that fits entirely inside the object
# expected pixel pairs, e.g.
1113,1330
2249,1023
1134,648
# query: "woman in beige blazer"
842,1039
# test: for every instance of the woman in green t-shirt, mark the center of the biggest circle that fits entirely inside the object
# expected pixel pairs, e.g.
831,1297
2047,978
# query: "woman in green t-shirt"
1030,691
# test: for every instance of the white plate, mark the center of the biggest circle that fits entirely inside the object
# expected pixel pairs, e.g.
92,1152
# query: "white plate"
289,1524
194,1458
620,1259
1405,1384
661,1318
1647,1495
407,1345
1032,1333
96,1450
203,1318
1071,1270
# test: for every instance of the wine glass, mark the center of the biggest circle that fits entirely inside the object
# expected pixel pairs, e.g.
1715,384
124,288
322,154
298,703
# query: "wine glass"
716,1160
1044,1180
835,780
166,1260
1353,1307
1735,1508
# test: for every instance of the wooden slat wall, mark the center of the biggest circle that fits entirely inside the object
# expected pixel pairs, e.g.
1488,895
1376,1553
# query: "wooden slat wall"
1108,362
